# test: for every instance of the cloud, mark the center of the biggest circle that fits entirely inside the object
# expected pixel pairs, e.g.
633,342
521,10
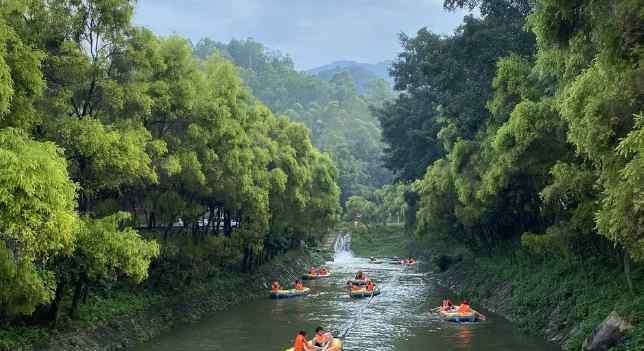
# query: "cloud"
313,32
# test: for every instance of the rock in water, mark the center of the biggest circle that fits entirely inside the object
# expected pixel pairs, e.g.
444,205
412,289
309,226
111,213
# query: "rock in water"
607,334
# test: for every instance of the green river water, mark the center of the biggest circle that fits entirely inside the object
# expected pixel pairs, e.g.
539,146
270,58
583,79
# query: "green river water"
398,319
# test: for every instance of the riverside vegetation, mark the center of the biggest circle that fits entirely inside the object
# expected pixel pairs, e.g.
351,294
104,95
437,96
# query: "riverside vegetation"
132,164
521,139
125,156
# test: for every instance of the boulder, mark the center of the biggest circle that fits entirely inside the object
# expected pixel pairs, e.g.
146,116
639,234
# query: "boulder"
607,334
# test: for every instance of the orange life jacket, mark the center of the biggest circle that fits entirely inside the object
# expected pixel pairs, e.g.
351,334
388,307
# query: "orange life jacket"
300,340
370,286
275,286
464,308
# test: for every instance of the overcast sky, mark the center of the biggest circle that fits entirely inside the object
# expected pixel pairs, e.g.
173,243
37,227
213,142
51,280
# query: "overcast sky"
313,32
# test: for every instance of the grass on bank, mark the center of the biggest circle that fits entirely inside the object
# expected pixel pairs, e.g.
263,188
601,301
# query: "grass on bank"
379,240
104,305
553,292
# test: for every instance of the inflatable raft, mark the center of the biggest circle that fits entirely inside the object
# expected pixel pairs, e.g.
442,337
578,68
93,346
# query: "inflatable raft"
364,293
316,276
359,281
282,294
458,316
336,345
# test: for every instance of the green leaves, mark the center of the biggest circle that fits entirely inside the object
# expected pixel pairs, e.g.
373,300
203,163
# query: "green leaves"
104,251
128,121
37,198
621,217
37,219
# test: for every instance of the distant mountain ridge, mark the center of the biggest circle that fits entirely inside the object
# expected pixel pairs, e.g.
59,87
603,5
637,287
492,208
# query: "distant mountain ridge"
362,73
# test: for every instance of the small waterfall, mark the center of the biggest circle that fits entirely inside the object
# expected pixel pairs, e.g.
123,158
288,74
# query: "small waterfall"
342,247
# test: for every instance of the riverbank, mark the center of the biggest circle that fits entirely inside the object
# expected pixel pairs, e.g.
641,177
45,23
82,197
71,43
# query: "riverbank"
562,301
379,240
130,317
559,300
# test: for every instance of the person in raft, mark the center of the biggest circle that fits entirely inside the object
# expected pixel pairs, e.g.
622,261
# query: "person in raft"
313,271
275,286
447,305
361,276
370,286
324,270
301,344
322,338
465,308
353,286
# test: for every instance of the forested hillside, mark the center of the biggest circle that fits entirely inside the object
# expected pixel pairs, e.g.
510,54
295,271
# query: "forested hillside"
336,113
363,74
524,131
121,150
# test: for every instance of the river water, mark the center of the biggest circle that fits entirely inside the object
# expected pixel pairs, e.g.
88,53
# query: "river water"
398,319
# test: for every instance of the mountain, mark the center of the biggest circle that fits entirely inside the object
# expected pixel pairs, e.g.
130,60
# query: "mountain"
362,73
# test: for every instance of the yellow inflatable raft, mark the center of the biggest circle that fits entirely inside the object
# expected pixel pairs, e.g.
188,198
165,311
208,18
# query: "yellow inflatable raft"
282,294
336,345
316,276
459,316
359,281
363,293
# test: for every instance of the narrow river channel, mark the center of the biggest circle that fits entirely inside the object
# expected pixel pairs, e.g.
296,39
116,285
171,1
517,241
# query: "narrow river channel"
396,320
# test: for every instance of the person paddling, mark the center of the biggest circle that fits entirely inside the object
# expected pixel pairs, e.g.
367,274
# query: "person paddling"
447,305
301,344
322,338
464,307
361,276
275,286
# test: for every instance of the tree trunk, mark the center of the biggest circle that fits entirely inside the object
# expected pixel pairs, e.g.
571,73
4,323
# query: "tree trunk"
627,271
78,294
227,223
217,228
211,218
54,308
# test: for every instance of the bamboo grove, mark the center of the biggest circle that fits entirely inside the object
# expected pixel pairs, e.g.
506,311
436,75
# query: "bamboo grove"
120,149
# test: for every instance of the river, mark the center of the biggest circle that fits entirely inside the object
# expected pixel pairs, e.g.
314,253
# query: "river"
398,319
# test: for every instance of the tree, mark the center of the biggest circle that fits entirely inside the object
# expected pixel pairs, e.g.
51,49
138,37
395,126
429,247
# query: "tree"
37,220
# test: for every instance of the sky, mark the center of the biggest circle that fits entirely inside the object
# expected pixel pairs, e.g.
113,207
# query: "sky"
312,32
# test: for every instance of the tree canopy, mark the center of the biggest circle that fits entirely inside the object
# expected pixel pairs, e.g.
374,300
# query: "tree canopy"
116,145
525,125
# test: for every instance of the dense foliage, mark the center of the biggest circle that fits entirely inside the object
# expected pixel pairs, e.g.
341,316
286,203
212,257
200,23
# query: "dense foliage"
523,132
108,129
537,136
335,108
